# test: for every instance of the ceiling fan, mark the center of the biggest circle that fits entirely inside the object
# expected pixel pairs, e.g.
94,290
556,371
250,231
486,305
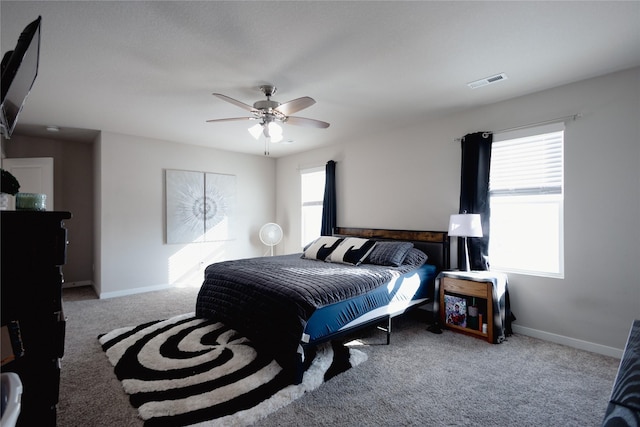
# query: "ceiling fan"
271,113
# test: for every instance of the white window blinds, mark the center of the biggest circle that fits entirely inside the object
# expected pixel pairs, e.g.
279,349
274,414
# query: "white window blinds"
526,201
527,165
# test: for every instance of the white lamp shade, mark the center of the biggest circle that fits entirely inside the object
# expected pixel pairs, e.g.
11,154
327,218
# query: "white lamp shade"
274,129
256,130
275,132
465,225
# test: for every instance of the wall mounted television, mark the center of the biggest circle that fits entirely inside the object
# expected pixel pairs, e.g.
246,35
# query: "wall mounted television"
19,71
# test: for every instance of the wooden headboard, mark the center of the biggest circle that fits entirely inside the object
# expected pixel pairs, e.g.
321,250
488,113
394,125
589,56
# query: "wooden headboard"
434,243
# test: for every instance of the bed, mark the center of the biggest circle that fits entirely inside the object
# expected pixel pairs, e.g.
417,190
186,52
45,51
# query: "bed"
356,278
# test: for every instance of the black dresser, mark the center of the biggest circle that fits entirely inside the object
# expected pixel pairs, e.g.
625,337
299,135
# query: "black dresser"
33,252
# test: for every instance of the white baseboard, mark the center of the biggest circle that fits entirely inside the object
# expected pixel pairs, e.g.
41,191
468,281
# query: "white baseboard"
77,284
133,291
570,342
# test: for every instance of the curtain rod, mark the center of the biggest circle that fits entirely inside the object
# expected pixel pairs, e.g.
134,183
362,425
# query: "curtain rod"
545,122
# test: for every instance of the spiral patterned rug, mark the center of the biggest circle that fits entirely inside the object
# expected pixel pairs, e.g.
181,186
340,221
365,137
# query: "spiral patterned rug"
188,371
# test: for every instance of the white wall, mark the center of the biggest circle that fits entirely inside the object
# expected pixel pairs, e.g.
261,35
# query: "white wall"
409,179
130,208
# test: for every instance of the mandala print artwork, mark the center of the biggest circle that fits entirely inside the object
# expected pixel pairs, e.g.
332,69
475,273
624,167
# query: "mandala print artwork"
200,206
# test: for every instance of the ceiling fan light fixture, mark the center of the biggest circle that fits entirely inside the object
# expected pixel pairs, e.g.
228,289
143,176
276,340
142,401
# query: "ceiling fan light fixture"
255,130
270,130
275,130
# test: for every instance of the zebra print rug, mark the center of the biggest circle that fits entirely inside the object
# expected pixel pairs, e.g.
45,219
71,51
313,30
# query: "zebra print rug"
188,371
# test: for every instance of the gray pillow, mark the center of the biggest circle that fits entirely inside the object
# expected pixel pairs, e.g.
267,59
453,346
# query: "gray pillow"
415,257
389,253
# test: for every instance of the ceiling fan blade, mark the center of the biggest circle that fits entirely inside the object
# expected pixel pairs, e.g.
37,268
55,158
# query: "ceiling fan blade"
232,119
236,102
311,123
295,105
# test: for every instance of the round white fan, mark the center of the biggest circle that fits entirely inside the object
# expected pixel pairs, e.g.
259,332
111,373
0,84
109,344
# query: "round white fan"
271,234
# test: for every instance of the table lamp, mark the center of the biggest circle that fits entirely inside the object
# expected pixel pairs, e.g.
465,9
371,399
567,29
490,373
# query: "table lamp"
465,225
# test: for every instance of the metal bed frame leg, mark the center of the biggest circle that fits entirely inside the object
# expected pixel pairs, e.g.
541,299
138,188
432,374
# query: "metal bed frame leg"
387,329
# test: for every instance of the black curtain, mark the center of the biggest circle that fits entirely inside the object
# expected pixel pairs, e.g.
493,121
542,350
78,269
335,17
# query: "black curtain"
329,201
474,196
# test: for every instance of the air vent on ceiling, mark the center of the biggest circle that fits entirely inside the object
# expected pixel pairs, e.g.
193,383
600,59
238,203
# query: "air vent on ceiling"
487,81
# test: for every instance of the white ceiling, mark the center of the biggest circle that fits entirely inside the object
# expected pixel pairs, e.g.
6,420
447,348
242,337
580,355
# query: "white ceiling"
149,68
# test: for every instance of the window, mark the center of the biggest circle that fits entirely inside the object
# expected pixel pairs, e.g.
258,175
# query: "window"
526,201
312,195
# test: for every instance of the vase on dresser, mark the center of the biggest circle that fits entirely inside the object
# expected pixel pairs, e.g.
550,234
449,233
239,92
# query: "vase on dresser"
4,201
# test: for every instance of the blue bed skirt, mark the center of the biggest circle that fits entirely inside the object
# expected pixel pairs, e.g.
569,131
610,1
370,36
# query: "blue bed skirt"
391,299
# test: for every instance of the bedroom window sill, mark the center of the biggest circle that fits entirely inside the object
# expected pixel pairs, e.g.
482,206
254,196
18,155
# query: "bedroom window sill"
527,272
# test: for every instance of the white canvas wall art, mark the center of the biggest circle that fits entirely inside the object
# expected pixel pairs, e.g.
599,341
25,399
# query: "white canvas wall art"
200,206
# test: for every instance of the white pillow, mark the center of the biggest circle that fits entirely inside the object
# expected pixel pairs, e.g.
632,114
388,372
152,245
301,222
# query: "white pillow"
321,247
352,250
